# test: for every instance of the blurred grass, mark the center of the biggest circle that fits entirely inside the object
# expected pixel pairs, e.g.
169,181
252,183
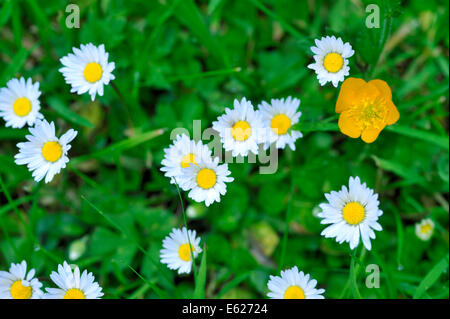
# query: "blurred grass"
177,61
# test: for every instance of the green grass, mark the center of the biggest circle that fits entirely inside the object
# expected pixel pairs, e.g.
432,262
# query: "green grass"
179,61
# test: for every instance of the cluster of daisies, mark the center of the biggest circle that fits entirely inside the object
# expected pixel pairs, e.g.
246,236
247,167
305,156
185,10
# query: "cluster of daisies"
182,246
352,213
242,130
18,283
45,154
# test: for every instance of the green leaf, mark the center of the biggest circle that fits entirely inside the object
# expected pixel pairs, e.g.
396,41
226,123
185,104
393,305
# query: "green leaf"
441,141
199,291
400,170
432,276
59,107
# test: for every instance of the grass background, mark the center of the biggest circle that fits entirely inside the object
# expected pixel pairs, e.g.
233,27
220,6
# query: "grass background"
177,61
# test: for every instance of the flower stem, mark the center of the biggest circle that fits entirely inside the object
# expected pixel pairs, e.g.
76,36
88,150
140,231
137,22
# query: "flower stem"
125,105
187,231
353,276
355,272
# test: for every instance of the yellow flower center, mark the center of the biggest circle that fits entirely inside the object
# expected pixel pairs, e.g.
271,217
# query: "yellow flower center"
280,124
187,160
353,213
294,292
333,62
370,113
92,72
206,178
19,291
74,293
241,131
22,106
52,151
184,252
426,229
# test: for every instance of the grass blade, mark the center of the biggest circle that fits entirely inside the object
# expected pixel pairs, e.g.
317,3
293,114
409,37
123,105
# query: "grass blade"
121,230
59,107
274,16
203,74
199,292
315,127
432,276
188,14
152,285
233,283
5,13
17,63
353,280
119,146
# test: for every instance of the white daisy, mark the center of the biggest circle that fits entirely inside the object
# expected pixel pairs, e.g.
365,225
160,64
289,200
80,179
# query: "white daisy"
280,115
17,284
19,103
206,180
181,154
353,213
330,56
176,252
72,285
424,229
45,154
293,285
240,129
88,69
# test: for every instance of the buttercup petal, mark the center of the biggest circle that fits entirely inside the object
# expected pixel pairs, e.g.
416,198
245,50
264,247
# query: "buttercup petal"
347,125
347,93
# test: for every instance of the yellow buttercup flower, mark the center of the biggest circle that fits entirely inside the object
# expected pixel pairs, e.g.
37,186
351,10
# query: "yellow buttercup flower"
365,108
